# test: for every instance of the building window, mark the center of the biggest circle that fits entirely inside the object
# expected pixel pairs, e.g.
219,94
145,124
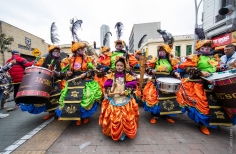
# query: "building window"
178,51
188,50
146,54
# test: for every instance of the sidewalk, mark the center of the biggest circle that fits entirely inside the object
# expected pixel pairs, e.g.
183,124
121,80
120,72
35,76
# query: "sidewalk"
183,137
16,125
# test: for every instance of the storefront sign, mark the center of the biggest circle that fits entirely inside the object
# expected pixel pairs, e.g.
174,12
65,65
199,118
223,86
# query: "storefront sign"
234,37
222,40
27,45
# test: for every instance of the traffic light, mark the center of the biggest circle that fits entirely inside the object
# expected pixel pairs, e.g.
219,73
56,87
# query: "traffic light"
230,13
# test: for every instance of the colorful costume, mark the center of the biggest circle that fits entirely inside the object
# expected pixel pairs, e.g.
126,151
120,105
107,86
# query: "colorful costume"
160,102
119,113
80,96
51,63
156,101
195,94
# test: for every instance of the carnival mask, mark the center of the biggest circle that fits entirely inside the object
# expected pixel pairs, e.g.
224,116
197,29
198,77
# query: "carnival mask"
56,53
162,53
205,50
119,47
80,52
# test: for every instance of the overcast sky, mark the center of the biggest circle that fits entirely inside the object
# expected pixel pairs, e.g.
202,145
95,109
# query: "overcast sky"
36,17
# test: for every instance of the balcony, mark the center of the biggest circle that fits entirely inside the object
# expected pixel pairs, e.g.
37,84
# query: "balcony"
219,18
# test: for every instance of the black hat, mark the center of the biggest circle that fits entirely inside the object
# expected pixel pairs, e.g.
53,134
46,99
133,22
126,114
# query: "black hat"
14,52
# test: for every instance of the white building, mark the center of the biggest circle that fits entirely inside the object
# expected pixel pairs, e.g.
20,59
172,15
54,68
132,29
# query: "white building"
217,24
139,30
103,30
183,45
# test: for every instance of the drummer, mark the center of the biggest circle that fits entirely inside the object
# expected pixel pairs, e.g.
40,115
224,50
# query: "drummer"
51,62
154,99
193,92
228,60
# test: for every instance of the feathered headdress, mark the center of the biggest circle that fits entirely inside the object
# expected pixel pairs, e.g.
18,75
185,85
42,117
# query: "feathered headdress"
168,40
74,27
139,45
105,38
54,37
201,36
106,48
119,28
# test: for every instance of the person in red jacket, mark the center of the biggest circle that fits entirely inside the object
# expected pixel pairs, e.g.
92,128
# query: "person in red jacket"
17,70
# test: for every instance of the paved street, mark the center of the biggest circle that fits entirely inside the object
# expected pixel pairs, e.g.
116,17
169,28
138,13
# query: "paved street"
16,125
162,137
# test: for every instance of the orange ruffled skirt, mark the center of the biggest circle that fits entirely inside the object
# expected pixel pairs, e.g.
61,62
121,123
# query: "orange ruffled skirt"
119,120
195,91
101,82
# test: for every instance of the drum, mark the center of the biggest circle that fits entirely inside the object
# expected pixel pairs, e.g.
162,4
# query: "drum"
167,84
225,89
36,86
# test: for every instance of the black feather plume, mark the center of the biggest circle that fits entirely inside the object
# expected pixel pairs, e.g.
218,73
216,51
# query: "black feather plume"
141,40
54,35
119,27
200,33
105,38
75,26
167,37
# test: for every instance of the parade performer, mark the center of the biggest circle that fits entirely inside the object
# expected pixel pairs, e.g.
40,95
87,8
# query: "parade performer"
52,62
80,96
130,60
195,94
157,101
119,112
103,63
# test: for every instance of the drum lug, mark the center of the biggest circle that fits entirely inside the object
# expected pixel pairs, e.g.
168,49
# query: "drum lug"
158,85
39,72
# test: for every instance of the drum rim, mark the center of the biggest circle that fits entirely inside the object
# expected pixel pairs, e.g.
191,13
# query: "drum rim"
38,67
168,82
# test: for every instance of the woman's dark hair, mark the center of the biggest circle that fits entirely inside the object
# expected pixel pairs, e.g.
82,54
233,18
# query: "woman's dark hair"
55,63
121,60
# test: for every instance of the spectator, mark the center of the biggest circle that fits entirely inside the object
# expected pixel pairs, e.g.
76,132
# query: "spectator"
228,58
17,71
3,81
7,91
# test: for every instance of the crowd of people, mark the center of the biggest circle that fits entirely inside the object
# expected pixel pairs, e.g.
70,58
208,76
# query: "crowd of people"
118,83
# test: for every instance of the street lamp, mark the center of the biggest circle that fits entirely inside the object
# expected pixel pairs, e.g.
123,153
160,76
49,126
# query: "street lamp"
196,24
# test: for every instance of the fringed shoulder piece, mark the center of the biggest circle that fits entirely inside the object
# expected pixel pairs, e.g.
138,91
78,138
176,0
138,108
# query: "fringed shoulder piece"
129,77
194,58
110,76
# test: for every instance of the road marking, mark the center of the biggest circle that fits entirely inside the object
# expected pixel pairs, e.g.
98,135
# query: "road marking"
22,140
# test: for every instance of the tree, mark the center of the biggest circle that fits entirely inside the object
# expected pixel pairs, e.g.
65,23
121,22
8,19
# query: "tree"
5,42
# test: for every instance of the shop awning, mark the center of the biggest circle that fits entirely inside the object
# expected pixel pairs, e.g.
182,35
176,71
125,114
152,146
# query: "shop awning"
222,47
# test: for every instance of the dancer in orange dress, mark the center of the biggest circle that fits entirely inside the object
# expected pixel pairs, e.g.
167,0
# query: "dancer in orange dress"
119,113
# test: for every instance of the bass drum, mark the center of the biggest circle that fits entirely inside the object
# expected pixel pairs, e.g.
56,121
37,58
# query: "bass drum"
36,86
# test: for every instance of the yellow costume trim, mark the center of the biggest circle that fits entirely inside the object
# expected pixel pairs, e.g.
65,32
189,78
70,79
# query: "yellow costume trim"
202,43
77,45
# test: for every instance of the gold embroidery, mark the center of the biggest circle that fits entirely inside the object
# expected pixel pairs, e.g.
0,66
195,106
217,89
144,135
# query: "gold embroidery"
163,92
76,83
168,105
219,115
71,109
74,94
212,98
54,101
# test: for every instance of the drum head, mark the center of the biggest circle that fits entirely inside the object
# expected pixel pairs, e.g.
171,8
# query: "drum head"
168,80
220,76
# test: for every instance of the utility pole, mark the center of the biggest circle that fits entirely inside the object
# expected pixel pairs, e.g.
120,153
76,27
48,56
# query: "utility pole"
196,23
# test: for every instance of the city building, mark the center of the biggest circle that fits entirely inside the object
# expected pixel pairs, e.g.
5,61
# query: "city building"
24,42
219,22
139,30
103,30
183,45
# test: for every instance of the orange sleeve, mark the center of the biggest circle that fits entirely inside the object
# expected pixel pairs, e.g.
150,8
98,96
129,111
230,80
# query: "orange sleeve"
132,61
